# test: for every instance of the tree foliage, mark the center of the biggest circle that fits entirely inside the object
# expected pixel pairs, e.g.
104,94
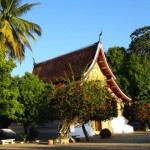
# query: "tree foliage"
76,102
140,43
117,59
141,111
132,67
134,72
138,110
9,106
15,31
34,97
139,76
139,64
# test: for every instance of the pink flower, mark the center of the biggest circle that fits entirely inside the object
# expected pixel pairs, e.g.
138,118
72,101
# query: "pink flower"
148,105
104,107
75,92
56,86
108,86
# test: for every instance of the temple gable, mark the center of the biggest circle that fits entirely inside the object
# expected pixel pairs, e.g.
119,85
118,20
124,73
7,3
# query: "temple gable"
96,74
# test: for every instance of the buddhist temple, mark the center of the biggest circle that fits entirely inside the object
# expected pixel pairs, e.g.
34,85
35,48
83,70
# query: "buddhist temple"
91,62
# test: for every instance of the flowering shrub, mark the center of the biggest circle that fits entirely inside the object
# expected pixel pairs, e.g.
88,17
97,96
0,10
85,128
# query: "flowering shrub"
138,110
142,110
76,102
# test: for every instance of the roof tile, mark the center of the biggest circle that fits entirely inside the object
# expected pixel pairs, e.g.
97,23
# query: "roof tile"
73,63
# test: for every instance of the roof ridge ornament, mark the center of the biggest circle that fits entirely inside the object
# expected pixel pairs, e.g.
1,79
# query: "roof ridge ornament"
100,38
33,61
99,48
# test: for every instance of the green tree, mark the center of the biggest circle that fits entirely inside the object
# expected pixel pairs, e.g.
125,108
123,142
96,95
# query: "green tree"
131,68
10,108
77,102
140,43
117,58
139,73
141,110
139,64
139,76
35,96
14,30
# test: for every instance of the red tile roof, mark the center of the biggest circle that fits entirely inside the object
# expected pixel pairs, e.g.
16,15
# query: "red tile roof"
72,63
76,63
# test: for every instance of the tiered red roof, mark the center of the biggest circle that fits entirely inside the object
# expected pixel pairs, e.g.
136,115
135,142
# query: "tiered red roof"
76,63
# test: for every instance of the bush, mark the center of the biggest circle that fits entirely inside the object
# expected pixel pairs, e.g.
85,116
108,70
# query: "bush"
33,134
105,133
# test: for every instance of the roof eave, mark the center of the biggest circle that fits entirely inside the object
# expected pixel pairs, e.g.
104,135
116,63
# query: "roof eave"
99,47
114,87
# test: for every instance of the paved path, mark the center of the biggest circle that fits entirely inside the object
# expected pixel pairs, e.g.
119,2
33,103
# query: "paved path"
77,146
134,141
136,137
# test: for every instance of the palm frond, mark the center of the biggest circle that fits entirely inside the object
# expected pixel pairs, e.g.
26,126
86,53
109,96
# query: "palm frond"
20,55
13,41
7,32
4,4
24,25
31,36
24,40
2,44
15,4
24,9
14,30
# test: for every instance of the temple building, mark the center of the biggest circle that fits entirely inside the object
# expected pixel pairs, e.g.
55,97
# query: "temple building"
91,61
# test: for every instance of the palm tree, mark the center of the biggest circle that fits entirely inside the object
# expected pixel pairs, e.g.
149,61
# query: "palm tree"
15,30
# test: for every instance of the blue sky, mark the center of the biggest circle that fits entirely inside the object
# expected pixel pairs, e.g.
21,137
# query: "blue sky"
68,25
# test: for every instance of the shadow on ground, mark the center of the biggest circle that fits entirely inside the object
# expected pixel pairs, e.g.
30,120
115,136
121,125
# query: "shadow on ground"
136,137
132,141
